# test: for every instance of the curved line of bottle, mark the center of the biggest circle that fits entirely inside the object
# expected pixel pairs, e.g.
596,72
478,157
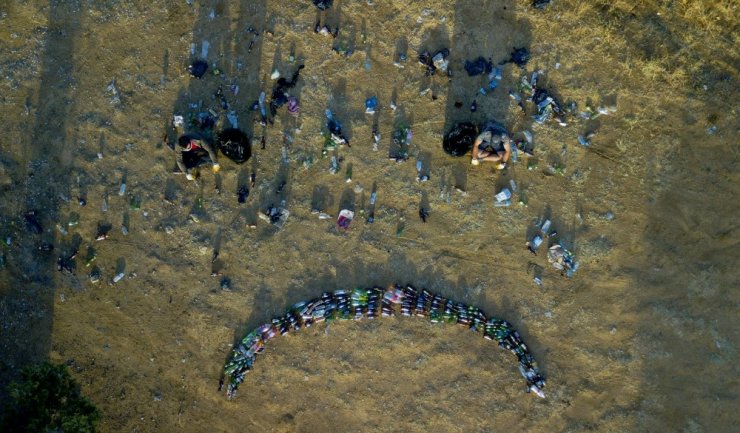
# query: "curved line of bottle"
371,303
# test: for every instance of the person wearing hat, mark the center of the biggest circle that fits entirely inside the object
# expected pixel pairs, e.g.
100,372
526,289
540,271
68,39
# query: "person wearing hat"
494,145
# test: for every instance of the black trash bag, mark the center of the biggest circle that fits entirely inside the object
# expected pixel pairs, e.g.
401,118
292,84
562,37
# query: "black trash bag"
323,4
520,57
234,144
478,66
460,139
198,68
540,4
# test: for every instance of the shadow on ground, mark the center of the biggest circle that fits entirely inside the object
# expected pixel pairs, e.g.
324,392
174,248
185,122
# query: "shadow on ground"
30,278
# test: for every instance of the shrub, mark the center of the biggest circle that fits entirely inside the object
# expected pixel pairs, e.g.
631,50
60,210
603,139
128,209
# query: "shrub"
47,400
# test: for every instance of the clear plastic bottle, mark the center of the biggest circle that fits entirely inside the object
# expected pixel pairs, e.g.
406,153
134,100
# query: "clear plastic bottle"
546,226
118,277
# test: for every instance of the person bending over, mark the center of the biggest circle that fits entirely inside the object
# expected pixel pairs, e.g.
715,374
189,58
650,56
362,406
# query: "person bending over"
193,150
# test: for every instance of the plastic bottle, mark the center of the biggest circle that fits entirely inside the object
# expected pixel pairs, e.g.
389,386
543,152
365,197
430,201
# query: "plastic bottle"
284,154
334,167
546,102
122,189
534,244
523,201
263,109
204,49
535,76
546,226
118,277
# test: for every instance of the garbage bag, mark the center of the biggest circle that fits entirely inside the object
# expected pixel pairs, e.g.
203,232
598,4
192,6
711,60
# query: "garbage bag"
478,66
460,139
235,145
520,57
198,68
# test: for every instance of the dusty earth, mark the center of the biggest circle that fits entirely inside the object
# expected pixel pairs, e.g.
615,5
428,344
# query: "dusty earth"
644,336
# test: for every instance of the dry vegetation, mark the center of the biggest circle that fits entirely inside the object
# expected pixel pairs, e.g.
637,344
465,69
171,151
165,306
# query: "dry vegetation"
624,342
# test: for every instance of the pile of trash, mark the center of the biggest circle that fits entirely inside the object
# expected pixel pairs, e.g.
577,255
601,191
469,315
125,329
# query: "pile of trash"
438,61
548,106
560,257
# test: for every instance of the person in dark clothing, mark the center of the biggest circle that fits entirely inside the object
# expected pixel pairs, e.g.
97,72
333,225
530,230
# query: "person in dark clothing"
193,150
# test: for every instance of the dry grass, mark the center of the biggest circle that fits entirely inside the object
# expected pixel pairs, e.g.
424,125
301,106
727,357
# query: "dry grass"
676,42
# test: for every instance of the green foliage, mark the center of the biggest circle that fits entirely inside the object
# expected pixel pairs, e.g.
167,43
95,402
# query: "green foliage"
47,400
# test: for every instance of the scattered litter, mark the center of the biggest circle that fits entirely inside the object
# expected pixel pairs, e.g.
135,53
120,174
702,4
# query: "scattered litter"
276,216
437,61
